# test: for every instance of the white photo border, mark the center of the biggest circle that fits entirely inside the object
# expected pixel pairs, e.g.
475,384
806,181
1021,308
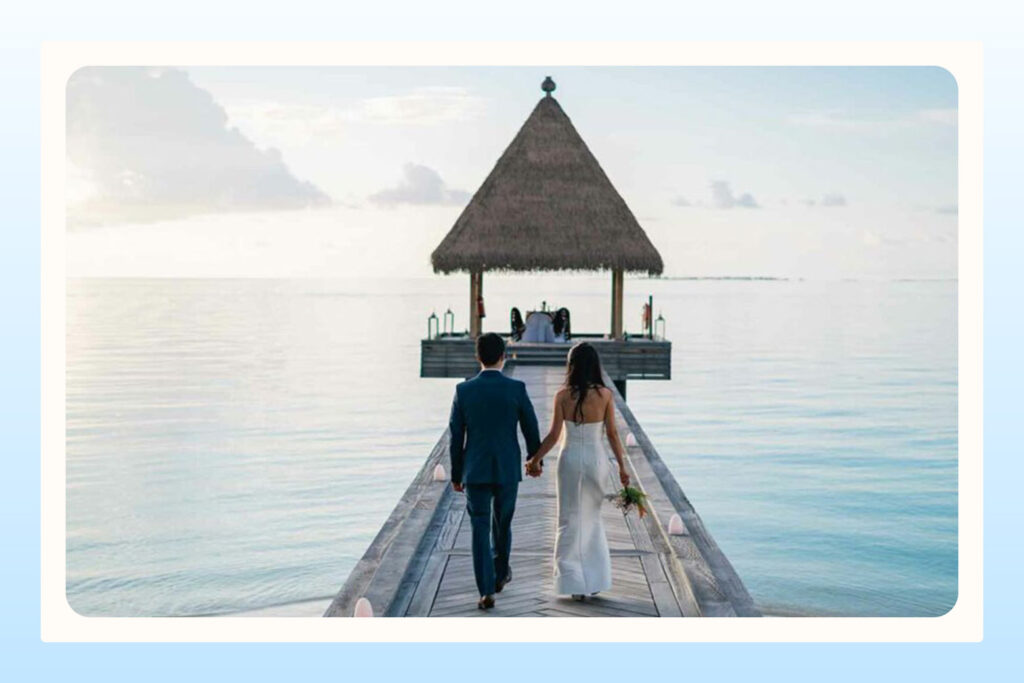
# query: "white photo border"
964,623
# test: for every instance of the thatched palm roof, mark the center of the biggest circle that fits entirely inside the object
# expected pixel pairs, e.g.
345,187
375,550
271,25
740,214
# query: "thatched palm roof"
547,205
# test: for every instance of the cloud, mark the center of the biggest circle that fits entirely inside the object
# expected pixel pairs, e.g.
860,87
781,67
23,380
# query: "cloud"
722,197
420,185
290,124
946,117
149,143
423,106
831,200
841,120
874,239
870,238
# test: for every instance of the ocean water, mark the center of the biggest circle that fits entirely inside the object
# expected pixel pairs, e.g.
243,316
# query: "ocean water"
234,445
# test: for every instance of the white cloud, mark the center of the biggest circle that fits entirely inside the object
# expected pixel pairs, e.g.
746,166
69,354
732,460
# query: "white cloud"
842,120
833,118
722,197
423,106
947,117
830,200
872,239
289,124
149,143
420,185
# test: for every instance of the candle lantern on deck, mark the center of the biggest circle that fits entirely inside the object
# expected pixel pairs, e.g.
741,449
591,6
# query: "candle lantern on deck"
659,327
363,608
449,321
432,326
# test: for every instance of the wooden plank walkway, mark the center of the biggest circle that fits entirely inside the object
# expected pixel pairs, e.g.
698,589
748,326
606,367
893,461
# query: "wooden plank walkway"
420,564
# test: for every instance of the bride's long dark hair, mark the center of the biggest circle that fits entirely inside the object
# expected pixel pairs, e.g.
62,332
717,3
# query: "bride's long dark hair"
582,373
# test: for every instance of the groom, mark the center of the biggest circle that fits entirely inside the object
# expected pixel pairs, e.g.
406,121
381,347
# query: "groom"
486,461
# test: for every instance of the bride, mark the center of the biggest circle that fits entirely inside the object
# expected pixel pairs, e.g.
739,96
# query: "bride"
584,405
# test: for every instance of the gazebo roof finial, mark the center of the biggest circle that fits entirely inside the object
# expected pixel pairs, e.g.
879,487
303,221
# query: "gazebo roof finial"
548,86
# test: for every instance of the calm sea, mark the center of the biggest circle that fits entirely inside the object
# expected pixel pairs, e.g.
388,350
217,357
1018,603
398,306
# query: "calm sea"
234,445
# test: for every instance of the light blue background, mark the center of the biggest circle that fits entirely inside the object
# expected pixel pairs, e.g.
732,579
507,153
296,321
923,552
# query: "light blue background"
25,657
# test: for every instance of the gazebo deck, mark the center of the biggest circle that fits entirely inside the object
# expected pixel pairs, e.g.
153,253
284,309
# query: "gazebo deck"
419,565
622,359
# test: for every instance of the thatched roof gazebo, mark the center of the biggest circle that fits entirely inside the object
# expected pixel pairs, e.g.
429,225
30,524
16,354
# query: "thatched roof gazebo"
547,205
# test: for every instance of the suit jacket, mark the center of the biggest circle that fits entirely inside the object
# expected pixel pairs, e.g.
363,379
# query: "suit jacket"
485,413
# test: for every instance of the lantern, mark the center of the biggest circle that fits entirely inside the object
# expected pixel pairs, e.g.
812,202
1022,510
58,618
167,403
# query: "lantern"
432,326
439,473
363,608
659,327
675,526
449,321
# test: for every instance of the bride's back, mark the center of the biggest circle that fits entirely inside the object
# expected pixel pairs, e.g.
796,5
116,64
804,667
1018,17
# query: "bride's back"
595,403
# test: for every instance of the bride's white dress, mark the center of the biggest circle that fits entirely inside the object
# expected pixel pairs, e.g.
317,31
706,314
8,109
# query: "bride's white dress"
583,564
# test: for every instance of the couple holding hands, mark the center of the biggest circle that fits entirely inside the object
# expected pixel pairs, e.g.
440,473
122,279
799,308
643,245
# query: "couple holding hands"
487,412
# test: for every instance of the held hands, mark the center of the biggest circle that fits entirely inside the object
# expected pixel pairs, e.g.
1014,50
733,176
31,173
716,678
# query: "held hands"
623,476
458,486
534,467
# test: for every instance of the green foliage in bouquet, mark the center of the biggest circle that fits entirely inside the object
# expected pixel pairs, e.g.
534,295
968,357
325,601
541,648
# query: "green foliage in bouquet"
628,498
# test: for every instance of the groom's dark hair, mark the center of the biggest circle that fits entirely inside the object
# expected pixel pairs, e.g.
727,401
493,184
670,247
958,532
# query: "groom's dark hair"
489,348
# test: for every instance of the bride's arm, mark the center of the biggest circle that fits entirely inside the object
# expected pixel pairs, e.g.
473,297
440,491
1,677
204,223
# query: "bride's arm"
552,437
613,438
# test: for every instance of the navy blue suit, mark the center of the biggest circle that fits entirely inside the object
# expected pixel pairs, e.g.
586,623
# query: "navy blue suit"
487,412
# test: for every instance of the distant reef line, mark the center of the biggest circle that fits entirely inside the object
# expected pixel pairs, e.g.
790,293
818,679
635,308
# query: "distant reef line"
722,277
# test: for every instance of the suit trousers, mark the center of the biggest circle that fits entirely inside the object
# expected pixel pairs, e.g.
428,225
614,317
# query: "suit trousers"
490,508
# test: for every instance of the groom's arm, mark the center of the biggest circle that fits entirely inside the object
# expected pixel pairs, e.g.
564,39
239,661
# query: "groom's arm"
528,422
457,442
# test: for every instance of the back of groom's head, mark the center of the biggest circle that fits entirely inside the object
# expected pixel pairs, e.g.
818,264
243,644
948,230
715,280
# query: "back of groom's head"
489,348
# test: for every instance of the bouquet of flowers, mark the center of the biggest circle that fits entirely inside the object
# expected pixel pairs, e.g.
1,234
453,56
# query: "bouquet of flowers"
628,498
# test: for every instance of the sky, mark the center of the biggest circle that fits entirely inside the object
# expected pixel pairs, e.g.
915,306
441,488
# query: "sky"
817,172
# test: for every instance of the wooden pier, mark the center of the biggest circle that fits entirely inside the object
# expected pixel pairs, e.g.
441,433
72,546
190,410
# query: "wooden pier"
419,564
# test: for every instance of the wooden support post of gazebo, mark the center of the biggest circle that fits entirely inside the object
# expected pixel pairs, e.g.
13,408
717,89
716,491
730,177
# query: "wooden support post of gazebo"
617,303
617,325
476,293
